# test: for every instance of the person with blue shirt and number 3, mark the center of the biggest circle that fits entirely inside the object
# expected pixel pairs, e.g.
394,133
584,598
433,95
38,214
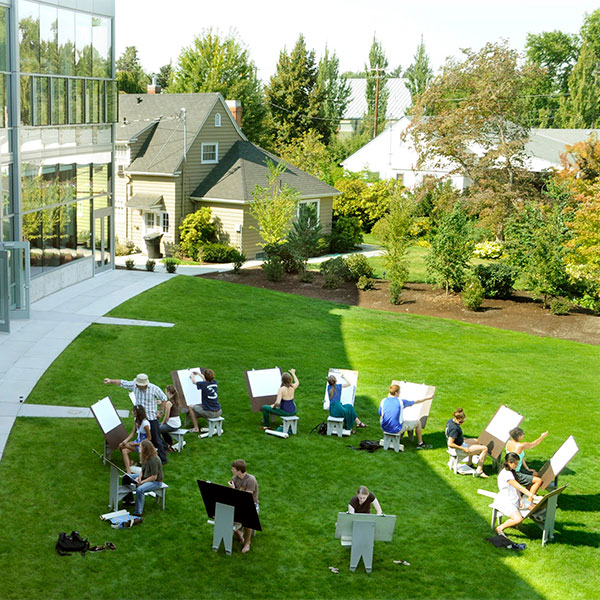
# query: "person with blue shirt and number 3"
209,407
391,415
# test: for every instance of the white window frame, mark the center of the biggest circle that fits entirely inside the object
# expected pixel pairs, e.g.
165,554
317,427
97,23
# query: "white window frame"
316,201
214,161
164,221
218,120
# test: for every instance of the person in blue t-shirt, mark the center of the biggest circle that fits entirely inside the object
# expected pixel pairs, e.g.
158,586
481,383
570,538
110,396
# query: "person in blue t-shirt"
209,407
391,417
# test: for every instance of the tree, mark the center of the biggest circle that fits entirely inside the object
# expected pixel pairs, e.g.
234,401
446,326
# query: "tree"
295,100
450,250
477,128
393,230
163,77
581,108
131,77
336,91
305,235
273,206
419,74
554,54
377,93
214,63
196,230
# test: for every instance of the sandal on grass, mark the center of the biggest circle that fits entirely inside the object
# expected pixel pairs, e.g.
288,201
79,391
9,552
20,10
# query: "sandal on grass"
110,545
97,548
361,424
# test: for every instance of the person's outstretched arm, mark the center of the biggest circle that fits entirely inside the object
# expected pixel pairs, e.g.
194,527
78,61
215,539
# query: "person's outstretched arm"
107,381
296,383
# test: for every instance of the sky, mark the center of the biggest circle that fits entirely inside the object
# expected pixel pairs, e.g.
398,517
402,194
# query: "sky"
160,30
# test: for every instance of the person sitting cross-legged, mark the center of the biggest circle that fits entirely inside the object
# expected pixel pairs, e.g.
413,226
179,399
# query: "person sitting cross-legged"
456,440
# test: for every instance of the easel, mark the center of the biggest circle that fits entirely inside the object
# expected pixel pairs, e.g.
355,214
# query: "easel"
360,532
226,506
263,385
497,432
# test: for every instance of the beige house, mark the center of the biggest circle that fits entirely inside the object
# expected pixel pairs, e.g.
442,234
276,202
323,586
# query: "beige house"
177,152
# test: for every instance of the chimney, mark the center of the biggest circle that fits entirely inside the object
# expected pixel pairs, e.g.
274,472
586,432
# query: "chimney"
235,106
153,88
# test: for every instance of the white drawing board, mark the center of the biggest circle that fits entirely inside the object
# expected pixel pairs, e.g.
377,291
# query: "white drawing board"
563,455
106,415
264,382
503,422
191,393
348,393
132,398
414,391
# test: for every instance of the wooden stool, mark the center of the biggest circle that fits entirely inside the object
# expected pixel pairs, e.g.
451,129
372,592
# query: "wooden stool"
335,425
290,424
394,440
215,426
178,435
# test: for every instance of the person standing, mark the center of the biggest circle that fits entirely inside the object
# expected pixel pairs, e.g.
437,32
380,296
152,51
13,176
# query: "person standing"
242,480
149,396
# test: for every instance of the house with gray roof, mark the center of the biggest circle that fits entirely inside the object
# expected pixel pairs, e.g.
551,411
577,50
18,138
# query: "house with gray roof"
391,155
399,100
175,153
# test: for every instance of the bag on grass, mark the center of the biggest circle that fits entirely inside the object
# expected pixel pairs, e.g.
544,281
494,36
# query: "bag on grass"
67,544
368,445
321,428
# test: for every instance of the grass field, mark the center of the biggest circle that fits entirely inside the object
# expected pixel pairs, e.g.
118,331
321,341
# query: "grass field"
52,482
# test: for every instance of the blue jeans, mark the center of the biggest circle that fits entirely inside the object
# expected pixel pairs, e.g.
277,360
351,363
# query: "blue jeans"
139,494
165,428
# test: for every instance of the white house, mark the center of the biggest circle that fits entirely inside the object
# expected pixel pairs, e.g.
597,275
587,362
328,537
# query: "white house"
393,157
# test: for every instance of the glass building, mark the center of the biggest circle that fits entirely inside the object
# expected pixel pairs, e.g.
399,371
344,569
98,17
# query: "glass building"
59,100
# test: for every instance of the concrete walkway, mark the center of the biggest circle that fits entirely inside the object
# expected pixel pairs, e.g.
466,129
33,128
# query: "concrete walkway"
56,320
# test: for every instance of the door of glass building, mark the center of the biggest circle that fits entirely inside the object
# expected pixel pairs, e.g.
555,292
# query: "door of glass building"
103,257
15,280
4,322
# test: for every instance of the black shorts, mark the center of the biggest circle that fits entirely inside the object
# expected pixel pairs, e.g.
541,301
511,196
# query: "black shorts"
524,477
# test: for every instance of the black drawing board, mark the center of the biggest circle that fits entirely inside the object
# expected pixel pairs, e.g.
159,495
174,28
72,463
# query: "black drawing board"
243,503
263,385
109,422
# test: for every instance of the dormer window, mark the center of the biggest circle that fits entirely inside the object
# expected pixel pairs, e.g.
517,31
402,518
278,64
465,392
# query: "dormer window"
218,120
210,153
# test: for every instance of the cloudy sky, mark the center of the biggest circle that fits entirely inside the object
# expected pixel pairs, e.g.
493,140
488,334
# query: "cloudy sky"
161,29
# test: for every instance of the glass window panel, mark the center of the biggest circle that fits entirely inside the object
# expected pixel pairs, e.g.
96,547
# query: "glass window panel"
8,229
68,233
101,202
92,105
26,118
83,45
32,233
101,66
76,100
101,103
100,180
112,112
41,101
83,228
59,101
66,179
51,237
83,181
66,42
7,203
48,39
29,36
3,39
3,95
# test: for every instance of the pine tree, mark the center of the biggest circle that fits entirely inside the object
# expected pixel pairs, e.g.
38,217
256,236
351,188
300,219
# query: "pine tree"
377,93
131,77
295,100
419,74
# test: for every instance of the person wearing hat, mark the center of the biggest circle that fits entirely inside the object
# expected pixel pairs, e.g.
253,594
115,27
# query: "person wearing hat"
149,396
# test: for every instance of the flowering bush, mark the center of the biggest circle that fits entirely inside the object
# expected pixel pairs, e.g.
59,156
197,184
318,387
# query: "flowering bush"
488,249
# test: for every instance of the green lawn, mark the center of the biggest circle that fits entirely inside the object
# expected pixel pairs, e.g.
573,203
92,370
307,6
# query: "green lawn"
51,480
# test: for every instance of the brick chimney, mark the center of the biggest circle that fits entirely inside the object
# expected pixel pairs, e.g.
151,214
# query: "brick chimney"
153,88
235,106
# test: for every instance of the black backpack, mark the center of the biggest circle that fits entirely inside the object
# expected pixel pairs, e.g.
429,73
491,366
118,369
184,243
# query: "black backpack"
68,544
321,428
368,445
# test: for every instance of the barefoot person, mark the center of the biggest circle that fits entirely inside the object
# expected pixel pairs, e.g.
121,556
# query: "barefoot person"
509,499
362,502
456,440
284,405
242,480
209,407
523,474
141,426
392,419
336,408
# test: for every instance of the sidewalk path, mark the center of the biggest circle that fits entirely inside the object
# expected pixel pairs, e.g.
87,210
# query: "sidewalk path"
56,320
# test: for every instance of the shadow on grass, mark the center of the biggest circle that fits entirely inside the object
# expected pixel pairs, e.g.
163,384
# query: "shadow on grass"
303,481
580,502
